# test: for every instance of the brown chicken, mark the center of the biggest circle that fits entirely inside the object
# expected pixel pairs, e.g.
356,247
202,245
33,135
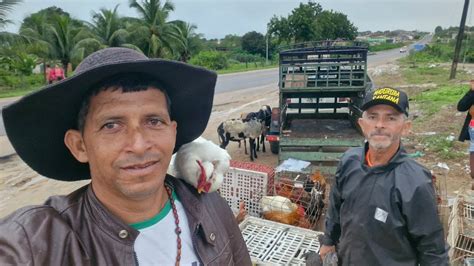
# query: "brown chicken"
295,217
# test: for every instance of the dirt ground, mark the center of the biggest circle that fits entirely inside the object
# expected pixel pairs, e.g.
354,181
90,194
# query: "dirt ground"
20,186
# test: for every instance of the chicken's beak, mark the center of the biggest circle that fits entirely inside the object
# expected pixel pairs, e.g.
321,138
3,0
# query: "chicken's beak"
200,190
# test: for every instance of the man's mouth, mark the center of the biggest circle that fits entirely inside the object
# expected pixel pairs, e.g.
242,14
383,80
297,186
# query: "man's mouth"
141,168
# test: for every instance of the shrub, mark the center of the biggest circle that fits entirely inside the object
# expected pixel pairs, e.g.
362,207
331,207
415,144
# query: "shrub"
210,59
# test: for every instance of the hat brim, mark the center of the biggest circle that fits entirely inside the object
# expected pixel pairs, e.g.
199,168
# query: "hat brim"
382,101
36,123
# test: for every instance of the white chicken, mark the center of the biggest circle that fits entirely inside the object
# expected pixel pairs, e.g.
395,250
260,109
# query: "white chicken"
202,164
277,203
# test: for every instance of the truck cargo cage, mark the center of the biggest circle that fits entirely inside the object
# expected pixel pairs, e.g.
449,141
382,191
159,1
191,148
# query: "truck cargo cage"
324,65
321,88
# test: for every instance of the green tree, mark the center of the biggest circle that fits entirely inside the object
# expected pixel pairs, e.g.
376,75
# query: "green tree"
62,40
6,6
106,30
308,22
231,42
333,25
108,27
155,35
187,41
301,21
254,43
438,30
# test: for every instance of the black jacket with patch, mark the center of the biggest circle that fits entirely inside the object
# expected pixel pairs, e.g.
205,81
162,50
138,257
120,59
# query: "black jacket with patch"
384,215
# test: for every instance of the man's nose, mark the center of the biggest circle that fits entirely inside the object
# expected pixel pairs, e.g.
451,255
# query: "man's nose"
380,123
138,141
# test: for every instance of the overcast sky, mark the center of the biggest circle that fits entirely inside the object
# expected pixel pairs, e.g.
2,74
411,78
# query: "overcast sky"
217,18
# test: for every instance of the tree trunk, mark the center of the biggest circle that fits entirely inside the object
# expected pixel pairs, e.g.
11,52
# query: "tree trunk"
44,71
65,63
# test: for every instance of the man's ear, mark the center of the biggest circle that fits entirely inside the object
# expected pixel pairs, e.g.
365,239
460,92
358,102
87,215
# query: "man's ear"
406,128
75,143
360,121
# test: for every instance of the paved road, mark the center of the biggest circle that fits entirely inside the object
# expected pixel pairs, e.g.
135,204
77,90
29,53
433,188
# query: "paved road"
238,81
253,79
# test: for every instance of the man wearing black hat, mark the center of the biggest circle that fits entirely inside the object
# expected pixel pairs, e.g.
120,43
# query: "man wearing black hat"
383,207
118,121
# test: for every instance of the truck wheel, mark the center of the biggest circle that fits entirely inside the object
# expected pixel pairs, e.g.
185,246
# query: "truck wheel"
274,145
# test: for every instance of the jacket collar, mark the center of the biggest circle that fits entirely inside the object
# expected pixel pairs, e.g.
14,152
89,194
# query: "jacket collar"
108,222
399,157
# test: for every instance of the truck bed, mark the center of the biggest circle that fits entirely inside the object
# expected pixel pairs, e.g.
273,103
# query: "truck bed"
320,141
335,129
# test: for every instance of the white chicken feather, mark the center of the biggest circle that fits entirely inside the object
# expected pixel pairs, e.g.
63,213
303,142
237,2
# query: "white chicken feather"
200,155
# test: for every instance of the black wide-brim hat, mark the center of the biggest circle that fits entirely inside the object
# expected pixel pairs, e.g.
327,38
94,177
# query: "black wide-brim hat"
36,124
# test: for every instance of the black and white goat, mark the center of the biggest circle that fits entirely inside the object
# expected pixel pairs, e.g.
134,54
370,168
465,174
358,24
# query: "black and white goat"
264,115
236,129
231,130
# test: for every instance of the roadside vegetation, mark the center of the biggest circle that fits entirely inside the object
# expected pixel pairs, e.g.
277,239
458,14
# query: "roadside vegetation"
386,46
52,36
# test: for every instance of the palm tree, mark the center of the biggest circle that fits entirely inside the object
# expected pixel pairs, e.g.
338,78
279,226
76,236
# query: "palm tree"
159,33
108,31
107,26
184,37
63,39
6,6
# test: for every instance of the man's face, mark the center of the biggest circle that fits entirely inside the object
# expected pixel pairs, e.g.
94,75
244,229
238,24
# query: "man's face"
128,141
383,127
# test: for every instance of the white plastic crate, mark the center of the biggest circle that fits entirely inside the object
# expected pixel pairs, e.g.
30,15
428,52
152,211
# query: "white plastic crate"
461,228
245,185
275,243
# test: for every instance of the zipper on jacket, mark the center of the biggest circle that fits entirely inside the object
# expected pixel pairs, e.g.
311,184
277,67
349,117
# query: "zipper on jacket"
136,258
193,239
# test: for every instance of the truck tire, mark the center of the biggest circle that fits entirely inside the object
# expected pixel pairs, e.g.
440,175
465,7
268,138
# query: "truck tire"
274,145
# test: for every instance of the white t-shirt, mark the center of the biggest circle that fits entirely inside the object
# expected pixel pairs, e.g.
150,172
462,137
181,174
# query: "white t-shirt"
157,242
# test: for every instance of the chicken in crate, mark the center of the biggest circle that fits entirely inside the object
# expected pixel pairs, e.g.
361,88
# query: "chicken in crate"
298,199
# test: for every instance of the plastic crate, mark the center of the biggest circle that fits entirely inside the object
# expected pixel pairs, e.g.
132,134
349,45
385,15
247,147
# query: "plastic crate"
461,228
278,244
248,182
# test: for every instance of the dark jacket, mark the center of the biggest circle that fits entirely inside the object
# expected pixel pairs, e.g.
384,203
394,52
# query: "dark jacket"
385,215
78,230
463,105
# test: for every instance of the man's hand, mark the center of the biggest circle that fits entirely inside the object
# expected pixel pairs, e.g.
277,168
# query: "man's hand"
324,250
472,84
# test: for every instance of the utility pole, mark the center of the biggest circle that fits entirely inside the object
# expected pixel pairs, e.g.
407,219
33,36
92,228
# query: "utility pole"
266,50
459,38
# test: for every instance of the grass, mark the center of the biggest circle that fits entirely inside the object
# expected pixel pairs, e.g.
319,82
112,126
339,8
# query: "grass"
431,101
12,86
445,148
235,68
385,46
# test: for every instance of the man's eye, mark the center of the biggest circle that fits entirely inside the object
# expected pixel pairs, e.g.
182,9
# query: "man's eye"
155,122
110,125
